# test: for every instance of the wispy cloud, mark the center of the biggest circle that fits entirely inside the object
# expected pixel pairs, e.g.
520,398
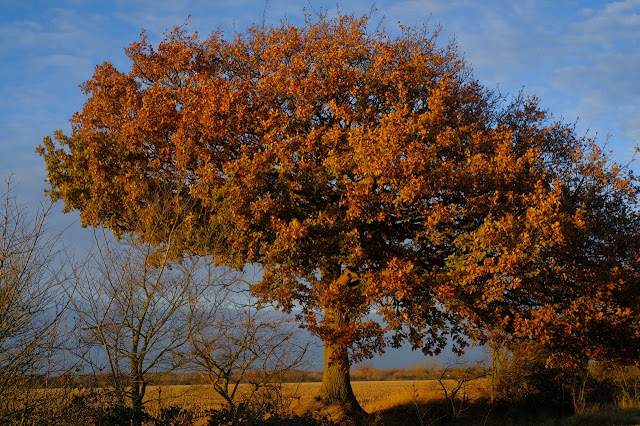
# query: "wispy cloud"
601,66
582,61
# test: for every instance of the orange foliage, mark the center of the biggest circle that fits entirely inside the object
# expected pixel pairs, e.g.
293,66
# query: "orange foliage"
311,149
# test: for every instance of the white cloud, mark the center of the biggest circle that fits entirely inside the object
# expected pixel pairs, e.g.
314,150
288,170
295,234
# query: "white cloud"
63,60
631,128
581,62
610,76
608,26
600,68
19,36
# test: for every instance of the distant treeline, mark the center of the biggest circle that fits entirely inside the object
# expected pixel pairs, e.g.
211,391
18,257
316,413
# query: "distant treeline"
362,372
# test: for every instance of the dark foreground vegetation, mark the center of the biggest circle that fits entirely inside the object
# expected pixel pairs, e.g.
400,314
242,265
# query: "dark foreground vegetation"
520,391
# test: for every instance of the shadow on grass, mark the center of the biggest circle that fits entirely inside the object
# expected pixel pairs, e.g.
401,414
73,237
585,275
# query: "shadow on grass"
480,412
606,416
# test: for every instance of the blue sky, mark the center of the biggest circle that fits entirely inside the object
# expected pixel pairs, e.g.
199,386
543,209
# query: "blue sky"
582,58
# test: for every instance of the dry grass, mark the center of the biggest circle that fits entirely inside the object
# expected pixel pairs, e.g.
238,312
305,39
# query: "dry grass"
393,403
301,397
378,396
389,402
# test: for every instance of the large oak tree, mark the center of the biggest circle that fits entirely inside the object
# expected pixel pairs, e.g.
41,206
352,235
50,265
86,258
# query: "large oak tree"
366,174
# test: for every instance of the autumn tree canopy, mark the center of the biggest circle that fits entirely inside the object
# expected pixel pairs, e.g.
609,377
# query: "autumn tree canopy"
316,149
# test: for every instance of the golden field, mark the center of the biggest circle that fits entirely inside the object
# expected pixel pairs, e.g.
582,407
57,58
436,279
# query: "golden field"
401,402
374,396
390,403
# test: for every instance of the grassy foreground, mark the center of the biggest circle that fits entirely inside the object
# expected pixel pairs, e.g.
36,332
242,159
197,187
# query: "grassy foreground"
407,402
372,395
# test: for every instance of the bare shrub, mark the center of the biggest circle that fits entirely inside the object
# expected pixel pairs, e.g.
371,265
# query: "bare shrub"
461,373
524,379
620,382
242,343
134,305
32,308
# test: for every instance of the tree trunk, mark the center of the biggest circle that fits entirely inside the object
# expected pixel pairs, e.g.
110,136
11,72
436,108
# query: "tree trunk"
138,389
336,382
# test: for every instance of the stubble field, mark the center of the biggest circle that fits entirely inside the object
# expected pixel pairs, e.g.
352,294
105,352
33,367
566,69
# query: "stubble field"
400,402
374,396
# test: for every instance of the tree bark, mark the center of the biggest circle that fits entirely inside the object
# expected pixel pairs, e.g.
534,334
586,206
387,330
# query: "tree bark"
336,381
138,389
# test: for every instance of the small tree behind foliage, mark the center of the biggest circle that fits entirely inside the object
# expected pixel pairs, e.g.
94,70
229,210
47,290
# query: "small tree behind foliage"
242,344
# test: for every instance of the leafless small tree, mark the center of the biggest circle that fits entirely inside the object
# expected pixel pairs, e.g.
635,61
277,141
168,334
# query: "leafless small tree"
501,359
134,304
32,307
460,374
241,343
